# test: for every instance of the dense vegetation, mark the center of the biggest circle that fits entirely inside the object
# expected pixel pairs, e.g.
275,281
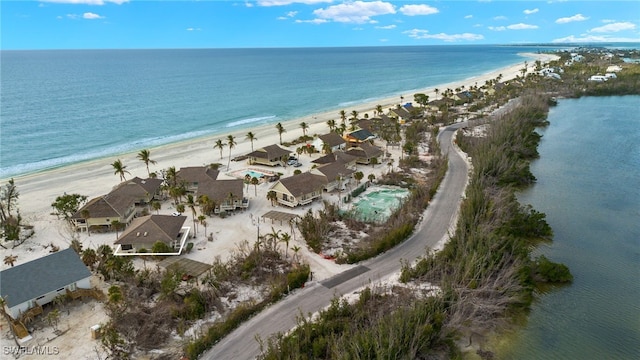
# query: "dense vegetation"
317,228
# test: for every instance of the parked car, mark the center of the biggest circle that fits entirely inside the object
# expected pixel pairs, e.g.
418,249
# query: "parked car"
297,164
292,162
175,213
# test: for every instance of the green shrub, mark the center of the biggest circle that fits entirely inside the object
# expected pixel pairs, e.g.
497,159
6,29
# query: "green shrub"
546,270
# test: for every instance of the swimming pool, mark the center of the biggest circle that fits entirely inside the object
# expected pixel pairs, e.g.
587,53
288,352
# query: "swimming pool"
377,204
252,172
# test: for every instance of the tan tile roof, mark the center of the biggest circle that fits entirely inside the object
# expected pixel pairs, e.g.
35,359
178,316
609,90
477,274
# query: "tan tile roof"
110,205
152,228
333,170
304,183
197,174
332,138
137,187
365,150
336,156
270,152
219,190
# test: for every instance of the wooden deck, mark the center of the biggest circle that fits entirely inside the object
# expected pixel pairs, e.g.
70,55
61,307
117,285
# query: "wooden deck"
19,329
93,293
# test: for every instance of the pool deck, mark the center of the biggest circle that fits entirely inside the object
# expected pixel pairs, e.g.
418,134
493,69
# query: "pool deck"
239,174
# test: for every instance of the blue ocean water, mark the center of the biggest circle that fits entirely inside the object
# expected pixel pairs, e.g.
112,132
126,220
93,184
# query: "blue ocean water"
589,187
65,106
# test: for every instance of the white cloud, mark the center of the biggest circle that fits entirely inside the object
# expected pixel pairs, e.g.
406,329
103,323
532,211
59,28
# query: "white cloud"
86,2
91,16
355,12
468,16
593,39
314,21
614,27
413,10
532,11
576,17
521,26
193,29
501,17
424,34
292,13
287,2
388,27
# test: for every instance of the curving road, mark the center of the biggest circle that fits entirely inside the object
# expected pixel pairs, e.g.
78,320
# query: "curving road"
438,219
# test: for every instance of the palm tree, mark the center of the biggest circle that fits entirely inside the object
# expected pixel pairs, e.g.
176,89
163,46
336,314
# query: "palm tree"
379,110
354,116
192,205
273,238
120,169
285,238
171,176
156,206
304,127
343,116
272,196
144,156
358,175
332,124
295,249
255,182
251,137
89,257
219,145
326,148
281,130
115,224
231,142
203,221
10,260
436,91
371,177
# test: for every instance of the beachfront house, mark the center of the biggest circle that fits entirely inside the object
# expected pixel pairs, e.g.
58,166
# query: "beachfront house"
192,176
272,155
25,288
100,212
336,175
228,195
338,156
333,141
142,191
298,189
145,231
400,114
365,153
359,136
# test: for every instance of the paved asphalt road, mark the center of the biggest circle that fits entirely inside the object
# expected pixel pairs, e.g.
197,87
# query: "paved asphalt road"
280,317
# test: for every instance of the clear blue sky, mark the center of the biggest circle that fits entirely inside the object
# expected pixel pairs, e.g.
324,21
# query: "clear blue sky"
109,24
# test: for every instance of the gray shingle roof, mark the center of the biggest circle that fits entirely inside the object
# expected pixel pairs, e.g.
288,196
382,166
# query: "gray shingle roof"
41,276
152,228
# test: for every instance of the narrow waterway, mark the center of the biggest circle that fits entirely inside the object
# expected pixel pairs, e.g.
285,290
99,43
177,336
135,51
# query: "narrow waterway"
589,187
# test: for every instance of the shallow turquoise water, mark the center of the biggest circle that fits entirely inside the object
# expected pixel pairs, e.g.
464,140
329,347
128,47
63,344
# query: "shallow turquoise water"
379,204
